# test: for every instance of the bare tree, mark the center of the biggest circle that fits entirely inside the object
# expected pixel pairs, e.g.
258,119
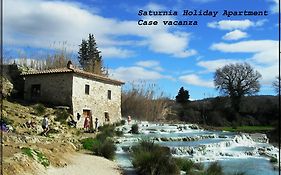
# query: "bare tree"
237,80
275,84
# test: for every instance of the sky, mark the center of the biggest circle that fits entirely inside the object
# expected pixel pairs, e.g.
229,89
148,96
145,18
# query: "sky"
170,56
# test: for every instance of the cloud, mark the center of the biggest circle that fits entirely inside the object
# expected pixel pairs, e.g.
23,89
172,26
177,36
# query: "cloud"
235,35
265,51
112,52
136,73
235,24
40,23
212,65
275,7
155,65
172,43
264,58
193,79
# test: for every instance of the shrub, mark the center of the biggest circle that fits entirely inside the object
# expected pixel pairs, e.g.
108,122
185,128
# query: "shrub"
123,122
88,143
106,149
185,165
273,160
61,115
27,151
152,159
214,169
135,129
39,109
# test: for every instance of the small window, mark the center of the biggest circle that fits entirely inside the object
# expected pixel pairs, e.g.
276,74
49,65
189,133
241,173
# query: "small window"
35,90
87,89
109,94
106,117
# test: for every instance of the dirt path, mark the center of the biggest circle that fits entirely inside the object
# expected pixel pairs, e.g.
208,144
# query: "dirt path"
86,164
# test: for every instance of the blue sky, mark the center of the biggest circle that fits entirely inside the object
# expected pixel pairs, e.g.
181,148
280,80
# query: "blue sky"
169,56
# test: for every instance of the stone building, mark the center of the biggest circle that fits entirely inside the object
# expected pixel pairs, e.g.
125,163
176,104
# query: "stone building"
83,92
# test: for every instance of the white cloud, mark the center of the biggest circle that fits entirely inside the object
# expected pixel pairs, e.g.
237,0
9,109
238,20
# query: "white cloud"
212,65
265,51
264,58
174,44
136,73
155,65
112,52
40,23
235,24
235,35
275,7
193,79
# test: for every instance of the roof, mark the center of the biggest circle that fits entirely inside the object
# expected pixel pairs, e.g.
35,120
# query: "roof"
76,71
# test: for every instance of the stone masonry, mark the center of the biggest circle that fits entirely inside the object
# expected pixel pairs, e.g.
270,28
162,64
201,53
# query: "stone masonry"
81,91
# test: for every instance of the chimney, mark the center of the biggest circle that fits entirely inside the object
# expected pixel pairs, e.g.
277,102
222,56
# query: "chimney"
69,65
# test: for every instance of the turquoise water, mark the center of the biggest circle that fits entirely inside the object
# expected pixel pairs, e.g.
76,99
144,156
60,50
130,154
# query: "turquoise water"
235,152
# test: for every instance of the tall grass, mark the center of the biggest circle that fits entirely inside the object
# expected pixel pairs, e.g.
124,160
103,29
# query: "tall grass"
144,101
152,159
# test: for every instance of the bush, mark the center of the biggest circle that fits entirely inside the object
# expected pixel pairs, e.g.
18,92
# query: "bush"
61,115
185,165
123,122
135,129
106,149
152,159
88,143
273,160
39,109
214,169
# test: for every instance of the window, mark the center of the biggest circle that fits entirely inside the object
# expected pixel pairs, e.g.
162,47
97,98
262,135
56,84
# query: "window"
106,116
109,94
35,90
87,89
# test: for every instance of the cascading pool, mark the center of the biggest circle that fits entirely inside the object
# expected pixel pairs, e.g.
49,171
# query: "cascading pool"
233,151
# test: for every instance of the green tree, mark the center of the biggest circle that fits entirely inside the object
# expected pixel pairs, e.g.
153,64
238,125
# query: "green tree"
89,56
183,96
236,81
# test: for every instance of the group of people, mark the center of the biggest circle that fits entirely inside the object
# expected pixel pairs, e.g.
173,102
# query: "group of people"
87,124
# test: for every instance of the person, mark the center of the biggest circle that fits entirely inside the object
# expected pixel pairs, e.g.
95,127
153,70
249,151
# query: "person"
78,116
96,124
87,123
45,125
71,121
129,119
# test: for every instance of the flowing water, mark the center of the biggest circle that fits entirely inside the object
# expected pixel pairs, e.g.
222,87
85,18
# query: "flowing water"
235,152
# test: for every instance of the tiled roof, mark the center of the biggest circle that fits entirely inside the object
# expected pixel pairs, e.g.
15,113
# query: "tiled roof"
76,71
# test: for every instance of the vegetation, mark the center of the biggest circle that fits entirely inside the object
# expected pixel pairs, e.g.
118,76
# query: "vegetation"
248,129
150,158
102,144
275,84
183,96
214,169
144,101
89,56
61,115
237,80
37,155
135,129
39,109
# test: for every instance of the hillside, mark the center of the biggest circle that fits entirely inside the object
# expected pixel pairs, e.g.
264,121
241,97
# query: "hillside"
25,151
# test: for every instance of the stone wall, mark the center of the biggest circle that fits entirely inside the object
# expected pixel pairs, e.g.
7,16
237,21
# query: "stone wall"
97,101
55,89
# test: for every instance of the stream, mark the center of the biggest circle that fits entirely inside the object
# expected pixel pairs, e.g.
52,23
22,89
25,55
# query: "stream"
236,152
